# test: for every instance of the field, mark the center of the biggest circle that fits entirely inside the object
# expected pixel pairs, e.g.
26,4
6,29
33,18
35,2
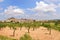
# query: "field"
35,31
38,34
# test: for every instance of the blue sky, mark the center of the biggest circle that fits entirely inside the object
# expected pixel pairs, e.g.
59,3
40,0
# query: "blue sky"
30,9
21,3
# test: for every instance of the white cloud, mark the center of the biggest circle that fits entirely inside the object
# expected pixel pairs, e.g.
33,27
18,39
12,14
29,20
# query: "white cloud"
52,1
42,6
45,10
59,5
18,11
1,0
42,10
13,10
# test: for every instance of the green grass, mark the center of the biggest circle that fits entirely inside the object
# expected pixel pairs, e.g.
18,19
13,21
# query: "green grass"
5,38
26,37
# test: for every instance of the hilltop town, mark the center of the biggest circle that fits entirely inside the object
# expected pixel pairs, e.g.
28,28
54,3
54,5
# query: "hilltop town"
12,19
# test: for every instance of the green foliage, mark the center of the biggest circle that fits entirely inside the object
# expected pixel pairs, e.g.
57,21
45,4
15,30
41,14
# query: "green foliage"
12,25
5,38
2,25
26,37
47,25
20,24
35,24
57,27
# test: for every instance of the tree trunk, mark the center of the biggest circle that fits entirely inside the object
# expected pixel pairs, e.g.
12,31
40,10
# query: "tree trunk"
28,30
14,32
0,28
50,31
10,28
20,28
33,29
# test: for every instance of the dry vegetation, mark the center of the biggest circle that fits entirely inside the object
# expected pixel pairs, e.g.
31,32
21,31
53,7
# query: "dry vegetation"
37,30
38,34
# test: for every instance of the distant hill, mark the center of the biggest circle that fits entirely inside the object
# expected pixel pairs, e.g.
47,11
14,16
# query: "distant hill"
12,19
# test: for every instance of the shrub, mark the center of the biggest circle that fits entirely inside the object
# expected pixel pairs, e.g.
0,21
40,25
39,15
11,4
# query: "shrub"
26,37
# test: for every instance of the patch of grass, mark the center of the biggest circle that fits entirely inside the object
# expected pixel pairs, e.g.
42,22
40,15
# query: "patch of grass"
26,37
5,38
